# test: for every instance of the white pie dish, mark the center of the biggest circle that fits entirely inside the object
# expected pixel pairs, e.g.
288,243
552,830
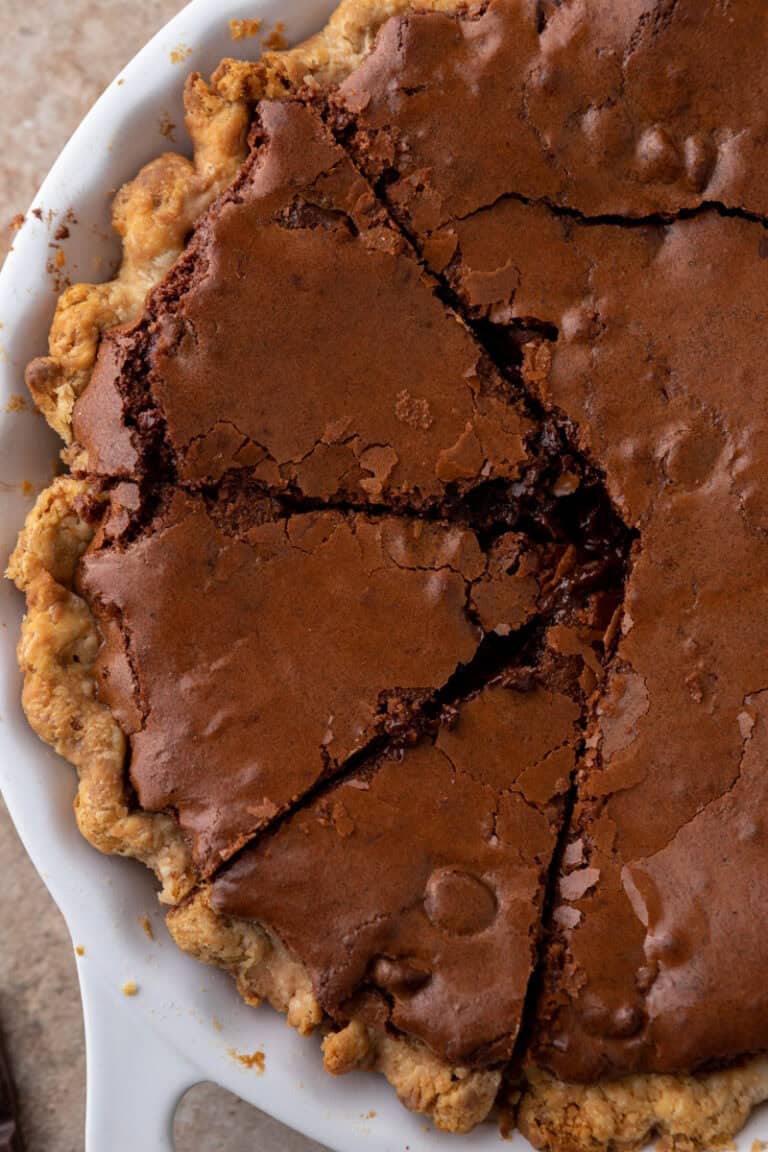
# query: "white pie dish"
186,1021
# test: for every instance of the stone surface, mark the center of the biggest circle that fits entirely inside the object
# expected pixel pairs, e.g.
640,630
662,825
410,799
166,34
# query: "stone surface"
78,46
39,1005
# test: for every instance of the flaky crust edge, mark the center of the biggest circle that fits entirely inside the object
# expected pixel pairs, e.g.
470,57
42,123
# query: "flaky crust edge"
154,216
682,1113
155,213
57,651
324,59
456,1098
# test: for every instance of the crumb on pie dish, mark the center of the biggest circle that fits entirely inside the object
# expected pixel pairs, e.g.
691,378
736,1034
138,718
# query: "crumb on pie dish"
402,607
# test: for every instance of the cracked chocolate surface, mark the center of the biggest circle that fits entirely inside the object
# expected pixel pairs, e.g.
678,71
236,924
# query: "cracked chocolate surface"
588,182
434,865
623,109
463,333
337,628
277,346
685,459
332,523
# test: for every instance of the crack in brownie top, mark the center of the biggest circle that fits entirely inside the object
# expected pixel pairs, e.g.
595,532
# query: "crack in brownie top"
624,109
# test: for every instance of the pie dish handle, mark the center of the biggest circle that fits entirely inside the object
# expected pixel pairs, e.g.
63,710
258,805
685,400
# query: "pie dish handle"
135,1079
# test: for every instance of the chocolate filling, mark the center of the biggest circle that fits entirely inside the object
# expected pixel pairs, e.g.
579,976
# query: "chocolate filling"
588,185
479,422
308,627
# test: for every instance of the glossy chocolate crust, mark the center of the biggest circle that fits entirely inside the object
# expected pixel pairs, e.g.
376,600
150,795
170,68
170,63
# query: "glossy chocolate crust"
589,178
277,347
251,653
622,109
358,578
316,555
423,870
313,559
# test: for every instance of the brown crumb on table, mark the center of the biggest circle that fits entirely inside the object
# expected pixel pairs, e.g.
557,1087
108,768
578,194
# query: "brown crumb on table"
249,1059
55,269
506,1123
130,988
276,40
180,54
61,233
38,213
80,950
16,403
59,283
17,222
244,29
368,1116
147,926
167,127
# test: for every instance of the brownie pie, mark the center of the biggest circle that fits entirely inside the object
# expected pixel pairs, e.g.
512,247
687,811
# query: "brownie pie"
402,604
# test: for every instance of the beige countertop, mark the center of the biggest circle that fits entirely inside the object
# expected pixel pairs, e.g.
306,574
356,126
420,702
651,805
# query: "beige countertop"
56,56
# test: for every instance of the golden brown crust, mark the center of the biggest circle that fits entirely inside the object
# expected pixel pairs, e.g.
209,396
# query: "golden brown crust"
455,1098
57,650
681,1113
154,215
324,59
260,965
